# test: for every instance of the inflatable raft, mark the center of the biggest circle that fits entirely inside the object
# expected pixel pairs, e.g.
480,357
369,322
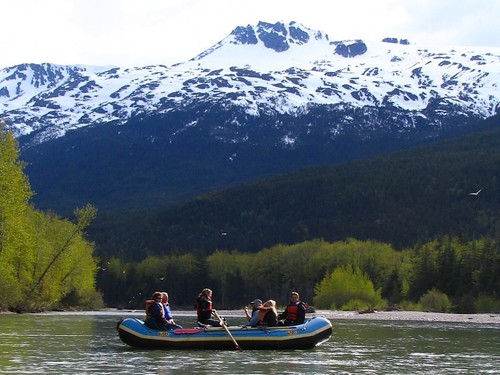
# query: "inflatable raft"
313,332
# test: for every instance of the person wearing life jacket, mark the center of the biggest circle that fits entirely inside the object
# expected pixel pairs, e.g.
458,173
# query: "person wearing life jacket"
295,312
155,313
168,314
256,303
253,319
268,316
204,309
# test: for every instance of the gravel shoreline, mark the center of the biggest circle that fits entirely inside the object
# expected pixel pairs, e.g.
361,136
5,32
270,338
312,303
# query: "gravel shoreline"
413,316
395,316
377,315
491,318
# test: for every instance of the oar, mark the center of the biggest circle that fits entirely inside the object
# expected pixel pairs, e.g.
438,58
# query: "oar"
223,324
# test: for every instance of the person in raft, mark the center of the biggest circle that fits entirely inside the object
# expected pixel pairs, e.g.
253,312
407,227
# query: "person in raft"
205,310
253,318
168,314
267,316
256,303
155,314
295,312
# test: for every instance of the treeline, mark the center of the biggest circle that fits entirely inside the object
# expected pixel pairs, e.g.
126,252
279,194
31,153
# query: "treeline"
446,274
404,198
45,261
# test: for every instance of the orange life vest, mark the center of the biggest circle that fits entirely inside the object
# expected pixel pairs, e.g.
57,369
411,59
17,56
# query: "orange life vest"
292,312
263,311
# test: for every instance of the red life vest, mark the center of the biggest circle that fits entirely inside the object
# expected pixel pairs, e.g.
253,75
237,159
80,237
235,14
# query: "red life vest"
292,312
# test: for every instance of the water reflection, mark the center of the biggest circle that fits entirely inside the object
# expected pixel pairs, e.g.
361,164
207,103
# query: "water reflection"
89,344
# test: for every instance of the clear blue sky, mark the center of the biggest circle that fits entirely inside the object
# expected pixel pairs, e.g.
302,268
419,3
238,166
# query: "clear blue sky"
138,33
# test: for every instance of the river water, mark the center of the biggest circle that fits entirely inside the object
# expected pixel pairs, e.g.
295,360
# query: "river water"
87,343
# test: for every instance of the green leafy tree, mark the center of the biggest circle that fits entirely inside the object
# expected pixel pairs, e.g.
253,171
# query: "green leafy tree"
345,284
222,265
115,282
64,263
41,255
176,274
300,274
69,234
16,239
268,272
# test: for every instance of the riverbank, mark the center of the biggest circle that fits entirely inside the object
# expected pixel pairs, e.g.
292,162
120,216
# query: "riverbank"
329,314
396,316
412,316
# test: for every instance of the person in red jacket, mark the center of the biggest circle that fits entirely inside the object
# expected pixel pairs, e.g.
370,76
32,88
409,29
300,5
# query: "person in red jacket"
295,312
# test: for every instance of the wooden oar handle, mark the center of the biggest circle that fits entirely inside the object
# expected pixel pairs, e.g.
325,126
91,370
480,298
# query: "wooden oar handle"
223,324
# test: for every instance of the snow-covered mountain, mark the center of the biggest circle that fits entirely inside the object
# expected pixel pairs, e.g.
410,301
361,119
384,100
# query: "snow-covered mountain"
266,100
265,70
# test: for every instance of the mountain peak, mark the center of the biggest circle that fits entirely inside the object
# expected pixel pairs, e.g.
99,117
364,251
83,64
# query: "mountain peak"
275,38
278,36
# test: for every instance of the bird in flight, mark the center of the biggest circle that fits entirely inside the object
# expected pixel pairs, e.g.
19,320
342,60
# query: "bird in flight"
476,193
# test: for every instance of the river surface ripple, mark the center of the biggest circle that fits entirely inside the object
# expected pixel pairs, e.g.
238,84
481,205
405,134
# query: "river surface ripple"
87,343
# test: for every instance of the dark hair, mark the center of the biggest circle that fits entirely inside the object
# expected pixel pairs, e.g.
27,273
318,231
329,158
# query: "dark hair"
157,295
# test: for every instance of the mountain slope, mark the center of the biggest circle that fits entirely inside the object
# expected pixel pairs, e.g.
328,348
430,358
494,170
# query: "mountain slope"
404,198
138,167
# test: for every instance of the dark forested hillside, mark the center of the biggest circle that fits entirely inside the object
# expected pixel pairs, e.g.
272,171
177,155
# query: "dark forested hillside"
403,198
140,165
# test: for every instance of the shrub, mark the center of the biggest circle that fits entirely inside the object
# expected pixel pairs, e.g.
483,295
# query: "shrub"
88,300
487,304
435,301
410,306
347,284
355,304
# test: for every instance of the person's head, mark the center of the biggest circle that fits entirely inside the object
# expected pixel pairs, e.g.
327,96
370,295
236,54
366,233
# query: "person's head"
164,297
256,303
207,293
294,297
270,303
157,296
